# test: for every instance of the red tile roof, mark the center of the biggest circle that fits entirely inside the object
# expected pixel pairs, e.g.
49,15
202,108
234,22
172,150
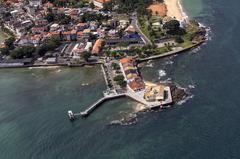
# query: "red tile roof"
96,47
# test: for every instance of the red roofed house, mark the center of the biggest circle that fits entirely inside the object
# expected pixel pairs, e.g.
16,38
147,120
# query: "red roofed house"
81,26
135,82
66,35
97,46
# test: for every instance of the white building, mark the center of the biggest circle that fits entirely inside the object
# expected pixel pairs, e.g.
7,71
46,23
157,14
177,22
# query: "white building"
54,27
99,3
51,60
35,3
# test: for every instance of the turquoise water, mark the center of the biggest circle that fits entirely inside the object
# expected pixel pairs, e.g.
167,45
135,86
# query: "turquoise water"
33,104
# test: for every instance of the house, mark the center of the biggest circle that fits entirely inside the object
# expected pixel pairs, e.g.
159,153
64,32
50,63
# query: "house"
123,23
113,33
88,46
156,24
80,48
35,3
93,25
73,35
124,40
130,32
73,13
41,22
31,10
97,47
99,3
81,26
51,60
134,81
54,27
79,36
24,40
66,36
112,23
38,29
101,33
130,29
86,33
52,34
132,76
35,39
26,23
137,85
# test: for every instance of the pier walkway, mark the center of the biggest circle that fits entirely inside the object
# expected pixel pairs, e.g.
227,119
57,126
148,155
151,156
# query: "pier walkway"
105,76
137,96
97,103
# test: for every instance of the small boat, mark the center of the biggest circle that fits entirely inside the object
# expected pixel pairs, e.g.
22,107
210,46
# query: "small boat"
85,84
71,115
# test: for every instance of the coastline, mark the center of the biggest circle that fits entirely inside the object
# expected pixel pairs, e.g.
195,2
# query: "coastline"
175,9
170,53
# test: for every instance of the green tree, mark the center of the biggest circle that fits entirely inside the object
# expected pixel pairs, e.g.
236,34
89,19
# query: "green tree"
115,66
10,43
171,25
4,51
91,5
108,6
178,39
63,19
123,44
86,55
22,52
119,79
48,45
50,17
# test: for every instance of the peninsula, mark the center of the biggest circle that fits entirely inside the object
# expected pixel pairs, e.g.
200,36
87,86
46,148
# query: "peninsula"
116,34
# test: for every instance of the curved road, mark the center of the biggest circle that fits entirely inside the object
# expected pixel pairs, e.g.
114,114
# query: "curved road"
145,39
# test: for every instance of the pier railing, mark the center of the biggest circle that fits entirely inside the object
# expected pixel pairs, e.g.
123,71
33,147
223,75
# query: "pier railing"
97,103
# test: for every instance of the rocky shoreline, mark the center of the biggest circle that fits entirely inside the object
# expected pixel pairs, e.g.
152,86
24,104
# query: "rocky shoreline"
178,94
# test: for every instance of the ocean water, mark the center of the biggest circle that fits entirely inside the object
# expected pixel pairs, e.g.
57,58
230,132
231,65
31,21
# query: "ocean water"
33,104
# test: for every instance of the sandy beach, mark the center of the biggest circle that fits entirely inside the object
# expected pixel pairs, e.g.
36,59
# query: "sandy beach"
138,107
174,9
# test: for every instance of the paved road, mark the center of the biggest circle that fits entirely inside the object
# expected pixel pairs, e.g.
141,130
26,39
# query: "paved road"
146,40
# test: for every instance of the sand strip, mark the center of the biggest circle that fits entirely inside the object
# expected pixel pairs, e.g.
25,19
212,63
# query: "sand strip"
174,9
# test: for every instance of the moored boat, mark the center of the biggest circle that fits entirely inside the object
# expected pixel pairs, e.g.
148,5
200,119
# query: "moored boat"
71,115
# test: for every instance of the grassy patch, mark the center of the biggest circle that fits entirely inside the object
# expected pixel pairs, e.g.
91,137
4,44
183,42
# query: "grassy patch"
187,41
162,50
143,24
152,32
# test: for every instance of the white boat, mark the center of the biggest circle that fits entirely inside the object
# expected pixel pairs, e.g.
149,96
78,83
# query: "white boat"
71,115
